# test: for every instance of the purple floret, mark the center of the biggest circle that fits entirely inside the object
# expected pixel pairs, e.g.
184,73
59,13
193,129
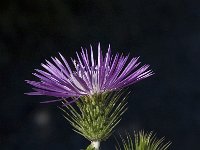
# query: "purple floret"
109,73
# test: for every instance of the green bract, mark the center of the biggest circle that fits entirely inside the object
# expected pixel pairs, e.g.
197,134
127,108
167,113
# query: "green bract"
143,141
94,117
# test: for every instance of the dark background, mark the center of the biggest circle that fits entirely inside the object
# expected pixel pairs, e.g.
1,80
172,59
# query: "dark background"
165,33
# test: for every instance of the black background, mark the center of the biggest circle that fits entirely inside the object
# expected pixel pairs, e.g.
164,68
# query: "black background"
165,33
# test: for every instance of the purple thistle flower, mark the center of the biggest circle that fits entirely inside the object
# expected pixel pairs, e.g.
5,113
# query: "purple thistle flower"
88,77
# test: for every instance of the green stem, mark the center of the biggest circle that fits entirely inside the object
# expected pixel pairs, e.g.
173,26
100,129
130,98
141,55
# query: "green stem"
96,145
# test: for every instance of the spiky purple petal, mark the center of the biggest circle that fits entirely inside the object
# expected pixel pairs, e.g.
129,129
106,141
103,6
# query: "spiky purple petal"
88,76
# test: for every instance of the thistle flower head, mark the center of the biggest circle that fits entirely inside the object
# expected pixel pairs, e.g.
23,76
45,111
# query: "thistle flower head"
88,76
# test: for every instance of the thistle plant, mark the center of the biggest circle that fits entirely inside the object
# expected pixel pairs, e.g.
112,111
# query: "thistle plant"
92,92
142,141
